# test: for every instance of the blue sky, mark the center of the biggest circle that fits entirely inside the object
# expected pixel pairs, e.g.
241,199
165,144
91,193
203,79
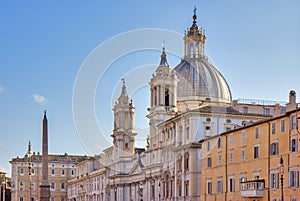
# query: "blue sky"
254,44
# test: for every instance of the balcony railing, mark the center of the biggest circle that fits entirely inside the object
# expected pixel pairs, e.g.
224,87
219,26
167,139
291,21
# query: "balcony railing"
252,189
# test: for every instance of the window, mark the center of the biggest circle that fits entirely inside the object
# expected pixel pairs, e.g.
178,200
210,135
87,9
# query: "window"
256,152
152,195
231,184
21,171
231,157
243,136
21,199
191,51
32,184
209,187
243,186
62,199
32,171
227,128
52,172
208,162
219,186
62,172
208,145
245,110
282,126
186,161
273,128
243,155
274,149
186,188
257,133
219,159
52,185
179,164
21,183
62,186
219,142
167,102
293,179
179,188
294,199
187,132
72,172
266,111
293,122
274,180
231,139
294,145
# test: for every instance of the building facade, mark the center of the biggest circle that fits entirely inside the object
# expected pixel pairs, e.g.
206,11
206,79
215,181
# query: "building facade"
188,103
199,146
27,172
257,162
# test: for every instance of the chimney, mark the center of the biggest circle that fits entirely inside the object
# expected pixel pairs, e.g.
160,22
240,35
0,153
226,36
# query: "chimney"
291,105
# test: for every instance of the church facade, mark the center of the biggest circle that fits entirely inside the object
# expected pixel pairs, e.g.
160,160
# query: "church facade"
188,103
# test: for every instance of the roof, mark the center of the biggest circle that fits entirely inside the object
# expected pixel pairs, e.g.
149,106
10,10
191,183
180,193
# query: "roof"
225,110
51,158
201,80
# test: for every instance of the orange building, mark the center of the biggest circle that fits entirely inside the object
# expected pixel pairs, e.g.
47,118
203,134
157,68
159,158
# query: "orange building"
252,162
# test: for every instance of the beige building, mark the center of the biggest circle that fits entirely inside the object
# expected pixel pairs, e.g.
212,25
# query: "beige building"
26,175
246,164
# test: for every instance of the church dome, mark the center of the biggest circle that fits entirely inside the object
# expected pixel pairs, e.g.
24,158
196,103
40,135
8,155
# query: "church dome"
198,79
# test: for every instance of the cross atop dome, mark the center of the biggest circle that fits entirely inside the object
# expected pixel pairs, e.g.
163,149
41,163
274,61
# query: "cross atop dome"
195,14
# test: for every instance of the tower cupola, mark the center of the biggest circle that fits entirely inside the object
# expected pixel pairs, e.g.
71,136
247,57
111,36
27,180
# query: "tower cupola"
194,40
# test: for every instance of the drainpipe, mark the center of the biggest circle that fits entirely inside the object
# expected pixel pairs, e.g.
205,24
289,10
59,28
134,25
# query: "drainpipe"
268,176
226,169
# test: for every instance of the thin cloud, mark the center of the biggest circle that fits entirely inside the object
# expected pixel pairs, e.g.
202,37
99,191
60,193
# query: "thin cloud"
39,99
1,89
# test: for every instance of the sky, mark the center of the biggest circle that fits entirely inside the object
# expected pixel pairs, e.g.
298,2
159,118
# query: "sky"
46,45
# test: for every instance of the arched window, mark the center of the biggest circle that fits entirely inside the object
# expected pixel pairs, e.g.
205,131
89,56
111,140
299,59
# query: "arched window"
197,50
167,185
186,162
167,98
191,50
179,163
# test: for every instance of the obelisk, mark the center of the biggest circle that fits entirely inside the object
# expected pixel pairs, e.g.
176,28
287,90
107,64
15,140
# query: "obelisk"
45,187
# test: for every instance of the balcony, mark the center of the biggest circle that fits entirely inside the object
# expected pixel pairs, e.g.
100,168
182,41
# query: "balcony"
252,189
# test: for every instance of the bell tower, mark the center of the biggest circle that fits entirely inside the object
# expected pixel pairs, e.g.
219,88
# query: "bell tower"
123,133
163,99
